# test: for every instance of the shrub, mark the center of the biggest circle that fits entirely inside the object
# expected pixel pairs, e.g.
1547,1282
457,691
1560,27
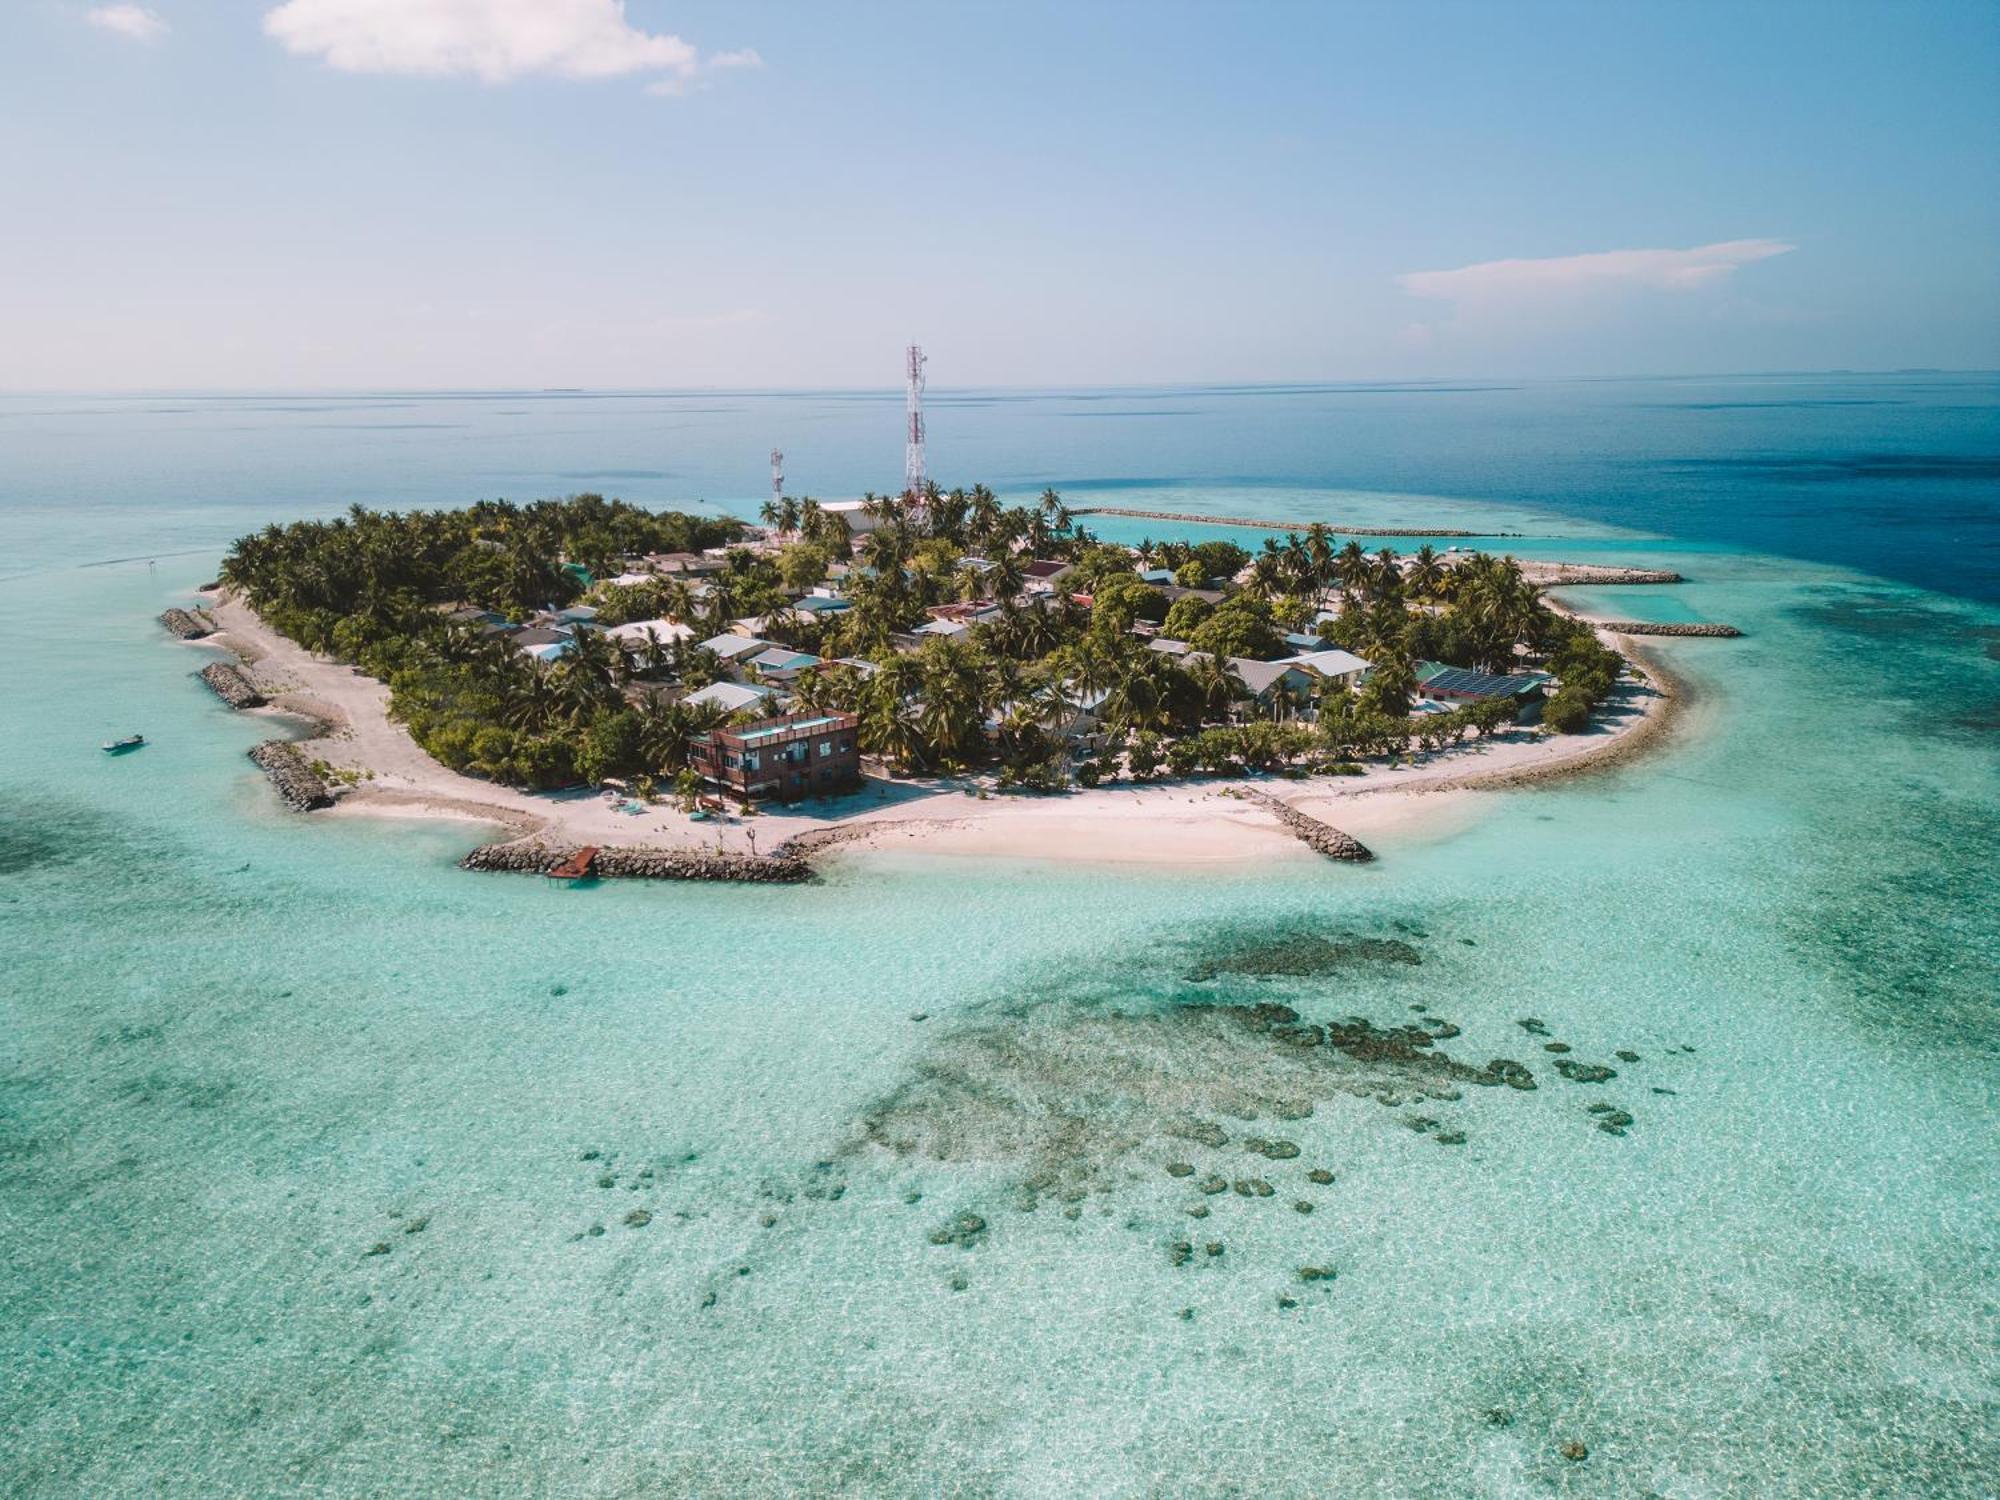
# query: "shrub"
1568,712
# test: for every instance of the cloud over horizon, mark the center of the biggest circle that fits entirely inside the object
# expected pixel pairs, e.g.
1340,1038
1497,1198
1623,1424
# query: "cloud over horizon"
1670,270
496,41
135,23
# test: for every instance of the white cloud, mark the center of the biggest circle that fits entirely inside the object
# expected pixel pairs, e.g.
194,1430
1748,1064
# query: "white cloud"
133,22
1673,270
493,40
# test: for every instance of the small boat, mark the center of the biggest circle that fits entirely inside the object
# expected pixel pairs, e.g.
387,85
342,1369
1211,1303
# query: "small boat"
119,747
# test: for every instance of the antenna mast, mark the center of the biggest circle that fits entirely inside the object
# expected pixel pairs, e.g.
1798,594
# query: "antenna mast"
777,478
913,448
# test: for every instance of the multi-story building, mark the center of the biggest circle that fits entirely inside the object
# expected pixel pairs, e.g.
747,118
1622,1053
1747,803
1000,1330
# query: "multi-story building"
794,756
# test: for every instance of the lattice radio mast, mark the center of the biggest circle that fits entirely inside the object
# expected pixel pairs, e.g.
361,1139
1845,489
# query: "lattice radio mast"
777,478
913,448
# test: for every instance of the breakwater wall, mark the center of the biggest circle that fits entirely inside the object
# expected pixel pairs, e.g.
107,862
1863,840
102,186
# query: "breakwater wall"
1555,575
1298,526
230,685
530,858
1321,838
298,785
189,624
1644,627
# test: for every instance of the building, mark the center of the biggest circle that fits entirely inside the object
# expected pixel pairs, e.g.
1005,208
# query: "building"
731,697
1042,575
1463,685
635,633
781,664
853,512
734,648
788,758
1343,667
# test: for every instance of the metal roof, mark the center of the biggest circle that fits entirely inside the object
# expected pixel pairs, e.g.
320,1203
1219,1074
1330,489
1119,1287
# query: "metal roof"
1463,682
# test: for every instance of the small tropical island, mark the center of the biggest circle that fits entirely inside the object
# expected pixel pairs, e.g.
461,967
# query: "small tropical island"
596,675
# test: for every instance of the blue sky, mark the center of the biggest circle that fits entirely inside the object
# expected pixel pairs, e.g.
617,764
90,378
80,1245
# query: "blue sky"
436,193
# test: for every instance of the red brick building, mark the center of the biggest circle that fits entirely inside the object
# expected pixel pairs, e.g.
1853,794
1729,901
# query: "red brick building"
797,755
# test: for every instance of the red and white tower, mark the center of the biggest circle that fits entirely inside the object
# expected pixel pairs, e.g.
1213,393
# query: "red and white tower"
913,447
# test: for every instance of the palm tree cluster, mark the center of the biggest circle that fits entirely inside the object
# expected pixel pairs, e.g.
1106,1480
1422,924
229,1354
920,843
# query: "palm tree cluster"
1035,678
364,587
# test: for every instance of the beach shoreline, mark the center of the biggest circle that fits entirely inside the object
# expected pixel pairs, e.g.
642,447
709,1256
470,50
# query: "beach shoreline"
378,770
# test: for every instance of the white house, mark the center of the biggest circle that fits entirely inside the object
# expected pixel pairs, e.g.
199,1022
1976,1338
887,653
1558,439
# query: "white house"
1343,667
732,696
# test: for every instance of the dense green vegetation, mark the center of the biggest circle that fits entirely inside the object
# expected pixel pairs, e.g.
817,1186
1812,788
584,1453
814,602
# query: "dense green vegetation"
365,588
1015,690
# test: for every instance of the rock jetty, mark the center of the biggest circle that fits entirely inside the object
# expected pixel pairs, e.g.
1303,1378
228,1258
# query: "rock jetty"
299,786
532,858
189,624
1321,838
1556,574
231,686
1300,526
1646,627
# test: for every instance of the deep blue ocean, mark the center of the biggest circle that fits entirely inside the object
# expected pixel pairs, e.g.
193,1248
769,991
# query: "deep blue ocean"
1898,476
329,1169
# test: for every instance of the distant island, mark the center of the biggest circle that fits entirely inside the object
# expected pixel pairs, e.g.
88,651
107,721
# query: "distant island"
704,668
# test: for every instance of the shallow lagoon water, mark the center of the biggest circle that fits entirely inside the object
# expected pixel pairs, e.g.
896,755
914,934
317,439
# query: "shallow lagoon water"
239,1050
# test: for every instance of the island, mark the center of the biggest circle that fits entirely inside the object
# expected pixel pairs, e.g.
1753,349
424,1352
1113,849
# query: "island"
653,693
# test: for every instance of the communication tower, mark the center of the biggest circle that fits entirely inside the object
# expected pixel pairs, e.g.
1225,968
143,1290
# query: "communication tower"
913,448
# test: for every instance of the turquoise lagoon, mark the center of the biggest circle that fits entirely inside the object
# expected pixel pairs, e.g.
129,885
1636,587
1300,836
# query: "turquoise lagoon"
239,1051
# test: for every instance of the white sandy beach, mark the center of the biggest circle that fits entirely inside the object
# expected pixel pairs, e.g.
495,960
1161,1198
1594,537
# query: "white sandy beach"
1189,824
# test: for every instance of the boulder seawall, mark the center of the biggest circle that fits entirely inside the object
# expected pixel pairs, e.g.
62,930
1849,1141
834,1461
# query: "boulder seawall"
189,624
1556,574
1321,838
230,685
1644,627
298,785
531,858
1299,526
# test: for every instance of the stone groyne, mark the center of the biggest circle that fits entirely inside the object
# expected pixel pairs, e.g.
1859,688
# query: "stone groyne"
1321,838
1644,627
230,685
189,624
1557,574
1298,526
299,786
530,858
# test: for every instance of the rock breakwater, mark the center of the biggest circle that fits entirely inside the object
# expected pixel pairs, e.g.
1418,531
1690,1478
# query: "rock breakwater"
231,685
1647,627
299,786
533,858
1556,574
189,624
1300,526
1321,838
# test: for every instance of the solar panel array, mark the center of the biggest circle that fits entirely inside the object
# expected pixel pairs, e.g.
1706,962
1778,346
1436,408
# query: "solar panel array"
1463,682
